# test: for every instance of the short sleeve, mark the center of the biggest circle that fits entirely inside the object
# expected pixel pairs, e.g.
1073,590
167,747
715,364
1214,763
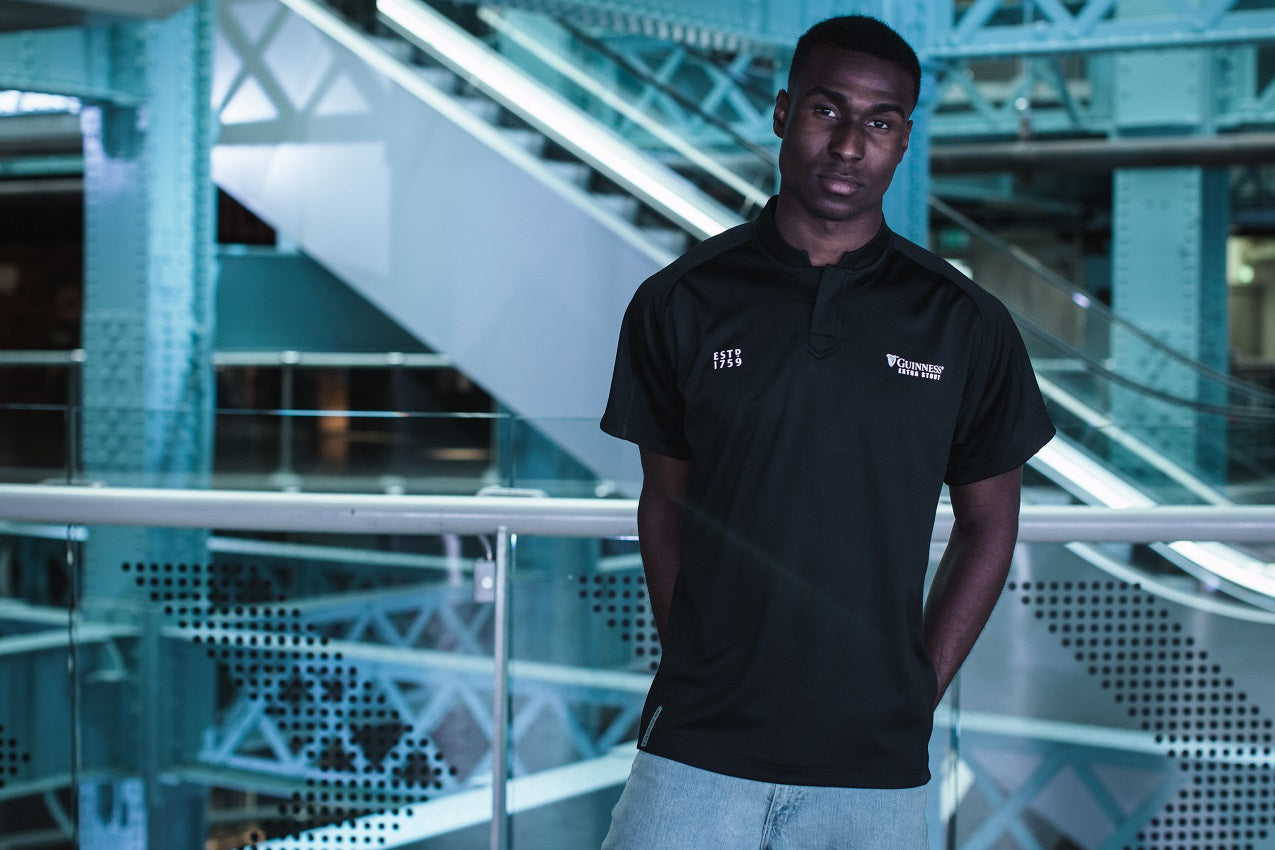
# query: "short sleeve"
646,405
1003,420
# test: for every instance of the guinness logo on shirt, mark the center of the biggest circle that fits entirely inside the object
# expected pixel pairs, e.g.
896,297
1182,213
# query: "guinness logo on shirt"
914,369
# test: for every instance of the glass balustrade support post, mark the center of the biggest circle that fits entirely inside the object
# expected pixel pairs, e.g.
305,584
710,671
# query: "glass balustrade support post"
954,747
500,739
287,386
74,390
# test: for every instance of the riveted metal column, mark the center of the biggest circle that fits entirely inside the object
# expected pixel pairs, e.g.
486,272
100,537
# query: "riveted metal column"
147,406
922,24
1169,256
1169,277
148,264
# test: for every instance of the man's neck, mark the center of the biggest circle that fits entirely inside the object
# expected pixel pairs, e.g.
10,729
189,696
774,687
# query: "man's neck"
824,241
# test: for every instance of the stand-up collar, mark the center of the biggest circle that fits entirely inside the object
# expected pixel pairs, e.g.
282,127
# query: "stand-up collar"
856,260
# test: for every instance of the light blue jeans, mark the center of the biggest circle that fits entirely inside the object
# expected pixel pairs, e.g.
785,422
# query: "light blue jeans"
667,805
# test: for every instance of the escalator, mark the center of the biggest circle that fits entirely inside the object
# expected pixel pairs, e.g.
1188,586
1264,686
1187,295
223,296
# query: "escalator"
485,197
480,225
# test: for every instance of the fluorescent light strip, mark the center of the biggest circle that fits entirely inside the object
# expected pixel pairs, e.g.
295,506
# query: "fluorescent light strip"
1229,565
1101,485
553,60
1121,570
1087,475
1126,441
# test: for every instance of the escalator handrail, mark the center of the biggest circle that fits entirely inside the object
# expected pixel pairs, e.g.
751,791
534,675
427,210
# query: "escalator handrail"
751,195
1048,275
669,194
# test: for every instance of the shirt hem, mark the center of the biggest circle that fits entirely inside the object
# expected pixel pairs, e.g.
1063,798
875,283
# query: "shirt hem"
761,771
1004,462
644,436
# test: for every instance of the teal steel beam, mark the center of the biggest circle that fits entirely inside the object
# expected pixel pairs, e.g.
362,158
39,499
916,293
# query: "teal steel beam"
42,166
91,63
988,28
1097,155
1079,35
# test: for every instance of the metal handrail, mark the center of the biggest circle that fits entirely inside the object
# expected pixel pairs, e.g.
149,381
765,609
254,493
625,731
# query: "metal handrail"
671,195
264,357
753,197
554,517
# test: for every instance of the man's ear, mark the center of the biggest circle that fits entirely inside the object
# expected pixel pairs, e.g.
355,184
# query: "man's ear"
781,112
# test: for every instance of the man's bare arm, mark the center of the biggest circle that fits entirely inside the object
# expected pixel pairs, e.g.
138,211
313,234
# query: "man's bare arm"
659,520
972,571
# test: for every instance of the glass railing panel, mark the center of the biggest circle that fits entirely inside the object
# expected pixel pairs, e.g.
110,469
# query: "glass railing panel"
36,703
38,433
1102,703
386,451
340,422
280,690
396,451
1101,361
401,450
36,442
582,651
583,647
568,457
1101,699
288,689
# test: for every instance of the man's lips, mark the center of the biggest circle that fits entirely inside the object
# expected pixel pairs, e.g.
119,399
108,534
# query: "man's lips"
839,182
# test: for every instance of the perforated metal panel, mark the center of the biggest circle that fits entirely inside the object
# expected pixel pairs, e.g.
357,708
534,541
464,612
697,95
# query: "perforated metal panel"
622,601
12,757
353,752
1167,683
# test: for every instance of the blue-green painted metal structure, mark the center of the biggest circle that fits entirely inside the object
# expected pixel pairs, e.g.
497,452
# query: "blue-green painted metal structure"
148,393
147,414
1170,227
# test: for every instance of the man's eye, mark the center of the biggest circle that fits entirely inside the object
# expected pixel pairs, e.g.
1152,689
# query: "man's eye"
879,124
825,110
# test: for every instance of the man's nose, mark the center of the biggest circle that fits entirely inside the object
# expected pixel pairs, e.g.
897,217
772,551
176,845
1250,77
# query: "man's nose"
847,141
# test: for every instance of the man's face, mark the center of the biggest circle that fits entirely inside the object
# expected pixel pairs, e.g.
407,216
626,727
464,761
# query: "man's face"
844,128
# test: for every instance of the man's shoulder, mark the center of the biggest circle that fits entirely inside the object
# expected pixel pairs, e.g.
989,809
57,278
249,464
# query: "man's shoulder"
698,256
930,263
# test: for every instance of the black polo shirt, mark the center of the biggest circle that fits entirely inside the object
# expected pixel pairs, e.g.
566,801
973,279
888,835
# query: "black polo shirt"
821,410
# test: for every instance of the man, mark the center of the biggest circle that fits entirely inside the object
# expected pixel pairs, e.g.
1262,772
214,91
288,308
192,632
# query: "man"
800,388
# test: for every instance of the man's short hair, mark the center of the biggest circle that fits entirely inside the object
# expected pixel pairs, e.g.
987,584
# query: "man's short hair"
863,34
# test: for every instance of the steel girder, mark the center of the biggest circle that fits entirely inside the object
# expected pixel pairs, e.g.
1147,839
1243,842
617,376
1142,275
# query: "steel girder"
996,28
1015,776
366,705
717,99
985,28
91,63
1058,81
